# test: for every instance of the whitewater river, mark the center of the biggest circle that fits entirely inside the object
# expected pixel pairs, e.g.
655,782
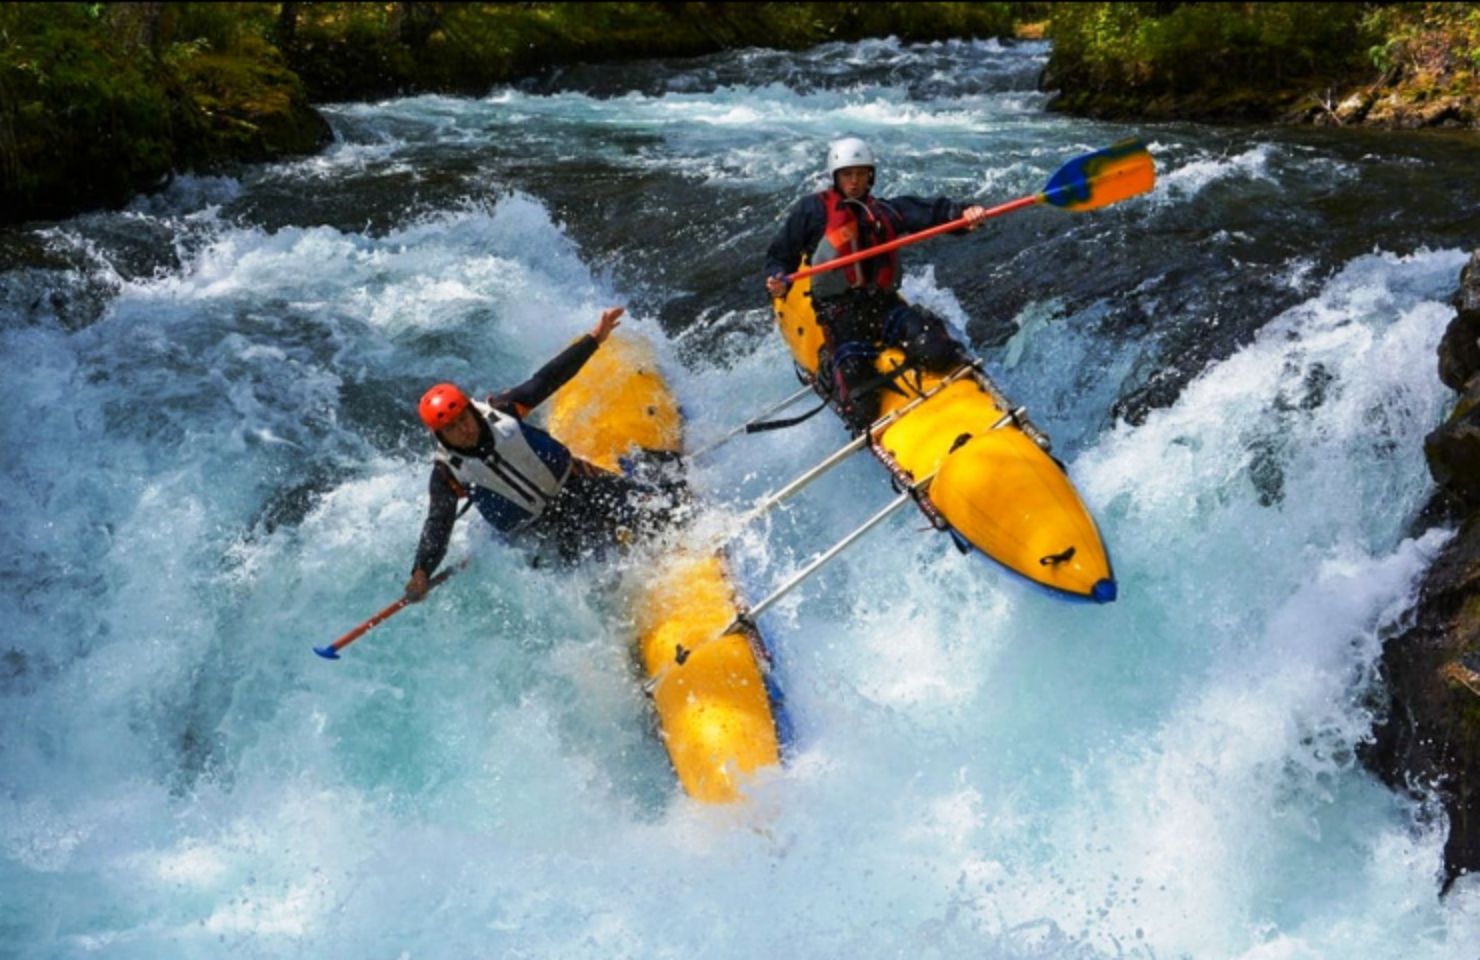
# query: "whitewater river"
213,462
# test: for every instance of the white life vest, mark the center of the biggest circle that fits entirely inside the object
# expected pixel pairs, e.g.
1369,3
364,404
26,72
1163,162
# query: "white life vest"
514,484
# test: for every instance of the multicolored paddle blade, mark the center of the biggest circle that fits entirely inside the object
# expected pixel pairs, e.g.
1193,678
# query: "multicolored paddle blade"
1101,178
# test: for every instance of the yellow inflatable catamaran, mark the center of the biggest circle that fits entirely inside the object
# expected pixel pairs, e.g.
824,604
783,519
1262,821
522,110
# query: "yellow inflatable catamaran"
975,465
707,670
980,469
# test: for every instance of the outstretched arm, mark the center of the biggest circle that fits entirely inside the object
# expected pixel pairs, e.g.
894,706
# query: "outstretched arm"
435,533
916,214
558,372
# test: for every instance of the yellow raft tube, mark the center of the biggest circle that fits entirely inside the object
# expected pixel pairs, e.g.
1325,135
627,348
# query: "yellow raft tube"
984,469
717,708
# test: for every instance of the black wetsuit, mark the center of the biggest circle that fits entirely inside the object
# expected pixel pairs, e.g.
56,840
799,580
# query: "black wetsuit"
593,506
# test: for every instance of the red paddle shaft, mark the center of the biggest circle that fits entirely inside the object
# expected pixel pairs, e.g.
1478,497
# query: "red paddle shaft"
331,652
905,241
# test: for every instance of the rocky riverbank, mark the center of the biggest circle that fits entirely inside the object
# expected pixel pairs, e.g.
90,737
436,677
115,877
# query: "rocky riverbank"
1428,739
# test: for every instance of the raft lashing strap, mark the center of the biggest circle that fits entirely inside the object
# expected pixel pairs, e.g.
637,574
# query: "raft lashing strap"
901,480
882,380
1054,559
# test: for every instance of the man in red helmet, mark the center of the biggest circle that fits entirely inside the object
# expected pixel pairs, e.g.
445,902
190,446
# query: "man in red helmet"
517,475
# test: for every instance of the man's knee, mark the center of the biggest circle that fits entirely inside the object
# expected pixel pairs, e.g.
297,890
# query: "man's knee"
854,377
923,335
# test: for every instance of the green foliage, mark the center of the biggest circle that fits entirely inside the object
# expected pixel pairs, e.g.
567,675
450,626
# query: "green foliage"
1428,50
347,50
1381,55
1255,60
100,100
1184,48
103,100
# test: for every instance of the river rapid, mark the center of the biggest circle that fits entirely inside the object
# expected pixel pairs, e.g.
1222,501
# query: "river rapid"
213,463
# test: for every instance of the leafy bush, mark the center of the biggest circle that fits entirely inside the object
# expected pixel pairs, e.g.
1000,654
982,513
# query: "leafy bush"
1182,48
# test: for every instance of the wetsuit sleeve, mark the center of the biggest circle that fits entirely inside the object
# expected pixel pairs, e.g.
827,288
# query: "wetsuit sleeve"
441,515
798,236
915,214
549,378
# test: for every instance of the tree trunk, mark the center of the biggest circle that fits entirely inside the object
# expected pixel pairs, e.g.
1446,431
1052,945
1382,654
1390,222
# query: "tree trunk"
416,22
136,25
285,31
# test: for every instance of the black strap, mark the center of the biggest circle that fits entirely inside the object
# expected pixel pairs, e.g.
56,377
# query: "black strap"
785,422
885,380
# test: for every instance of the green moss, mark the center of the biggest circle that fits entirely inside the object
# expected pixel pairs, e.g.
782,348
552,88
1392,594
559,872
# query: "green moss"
1467,725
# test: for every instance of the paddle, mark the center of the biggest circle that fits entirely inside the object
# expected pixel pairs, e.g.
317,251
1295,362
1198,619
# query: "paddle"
331,652
1087,182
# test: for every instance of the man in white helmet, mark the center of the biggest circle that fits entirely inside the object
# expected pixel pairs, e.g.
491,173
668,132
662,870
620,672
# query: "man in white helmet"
859,307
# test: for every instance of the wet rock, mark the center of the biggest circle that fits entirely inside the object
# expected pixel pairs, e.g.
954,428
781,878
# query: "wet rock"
1386,110
1453,449
1427,740
1459,351
1410,110
1354,107
1467,300
1446,111
1460,348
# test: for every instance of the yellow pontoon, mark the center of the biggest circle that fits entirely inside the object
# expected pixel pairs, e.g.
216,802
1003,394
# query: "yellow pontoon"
717,708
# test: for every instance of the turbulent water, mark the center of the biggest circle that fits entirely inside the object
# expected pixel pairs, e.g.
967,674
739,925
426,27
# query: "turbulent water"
213,463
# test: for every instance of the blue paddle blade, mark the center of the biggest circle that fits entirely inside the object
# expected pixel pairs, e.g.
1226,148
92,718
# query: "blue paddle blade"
328,653
1101,178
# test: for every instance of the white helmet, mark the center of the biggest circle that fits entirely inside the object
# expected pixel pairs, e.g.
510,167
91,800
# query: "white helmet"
848,152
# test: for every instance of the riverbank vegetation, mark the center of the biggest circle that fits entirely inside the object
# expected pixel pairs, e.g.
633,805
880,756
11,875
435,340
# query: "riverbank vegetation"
1389,64
350,51
99,101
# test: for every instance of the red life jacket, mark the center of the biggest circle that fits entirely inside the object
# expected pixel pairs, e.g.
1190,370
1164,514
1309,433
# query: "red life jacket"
840,238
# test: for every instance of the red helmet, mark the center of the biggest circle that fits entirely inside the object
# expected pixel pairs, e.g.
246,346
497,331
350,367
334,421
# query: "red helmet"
441,405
